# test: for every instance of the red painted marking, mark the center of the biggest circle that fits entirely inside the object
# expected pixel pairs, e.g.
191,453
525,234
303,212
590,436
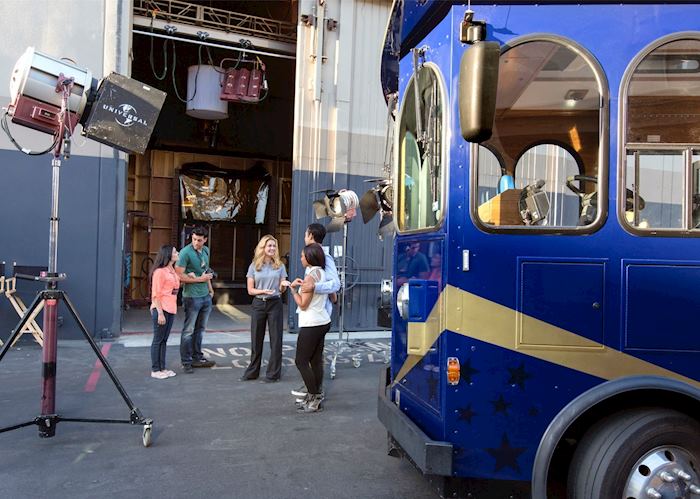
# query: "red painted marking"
97,370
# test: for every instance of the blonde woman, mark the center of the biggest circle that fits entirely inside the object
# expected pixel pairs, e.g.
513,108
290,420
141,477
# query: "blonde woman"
267,280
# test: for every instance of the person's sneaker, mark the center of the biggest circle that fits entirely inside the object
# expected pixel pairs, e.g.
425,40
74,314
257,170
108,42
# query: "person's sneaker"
169,373
187,369
203,363
314,404
245,378
300,400
300,392
158,375
269,380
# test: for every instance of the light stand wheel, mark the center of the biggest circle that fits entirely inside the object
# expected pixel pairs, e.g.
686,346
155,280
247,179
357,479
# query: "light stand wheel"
333,363
146,437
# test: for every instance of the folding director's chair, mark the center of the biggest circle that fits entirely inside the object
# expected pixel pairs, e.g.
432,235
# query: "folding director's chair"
9,289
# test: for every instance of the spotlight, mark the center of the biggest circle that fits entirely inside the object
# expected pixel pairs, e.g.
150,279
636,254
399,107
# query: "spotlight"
340,206
379,200
117,111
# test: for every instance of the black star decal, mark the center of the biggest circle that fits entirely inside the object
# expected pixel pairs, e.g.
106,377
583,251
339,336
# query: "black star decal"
506,455
533,411
432,387
466,414
500,405
518,375
467,371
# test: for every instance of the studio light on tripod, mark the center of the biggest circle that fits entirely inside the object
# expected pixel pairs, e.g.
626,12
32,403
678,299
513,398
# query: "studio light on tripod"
341,206
52,96
117,111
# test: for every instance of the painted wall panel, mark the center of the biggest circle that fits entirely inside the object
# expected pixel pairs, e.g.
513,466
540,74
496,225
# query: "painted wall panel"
340,130
91,202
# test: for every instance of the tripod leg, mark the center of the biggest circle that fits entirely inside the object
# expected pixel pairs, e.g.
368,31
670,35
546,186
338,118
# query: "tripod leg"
135,413
48,374
21,324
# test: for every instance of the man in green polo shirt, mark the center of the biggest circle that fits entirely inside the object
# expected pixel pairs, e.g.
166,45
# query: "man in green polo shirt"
195,275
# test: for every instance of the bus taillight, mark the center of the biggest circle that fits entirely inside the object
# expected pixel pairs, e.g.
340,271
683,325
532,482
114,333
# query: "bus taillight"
453,370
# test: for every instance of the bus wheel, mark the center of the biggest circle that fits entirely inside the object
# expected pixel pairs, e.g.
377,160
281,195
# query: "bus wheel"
638,453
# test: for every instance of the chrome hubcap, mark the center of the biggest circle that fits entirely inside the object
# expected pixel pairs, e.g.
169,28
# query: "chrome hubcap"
664,473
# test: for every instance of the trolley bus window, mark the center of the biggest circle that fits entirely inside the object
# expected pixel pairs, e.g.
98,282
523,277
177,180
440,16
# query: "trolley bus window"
491,174
554,165
655,179
547,136
661,139
696,191
421,152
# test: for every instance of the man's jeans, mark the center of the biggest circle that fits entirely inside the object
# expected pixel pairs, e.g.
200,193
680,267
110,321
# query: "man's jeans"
197,312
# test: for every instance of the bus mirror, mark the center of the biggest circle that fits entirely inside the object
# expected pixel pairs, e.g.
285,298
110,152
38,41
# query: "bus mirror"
478,82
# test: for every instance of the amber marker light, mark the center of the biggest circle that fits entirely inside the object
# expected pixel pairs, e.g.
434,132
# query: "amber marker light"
453,370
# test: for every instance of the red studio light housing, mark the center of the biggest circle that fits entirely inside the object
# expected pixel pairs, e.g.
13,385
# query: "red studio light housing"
35,103
117,111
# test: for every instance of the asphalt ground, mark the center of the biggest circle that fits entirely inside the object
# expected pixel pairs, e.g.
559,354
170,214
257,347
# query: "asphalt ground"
213,436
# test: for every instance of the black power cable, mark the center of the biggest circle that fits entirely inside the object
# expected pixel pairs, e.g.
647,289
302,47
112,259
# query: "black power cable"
6,128
165,61
196,76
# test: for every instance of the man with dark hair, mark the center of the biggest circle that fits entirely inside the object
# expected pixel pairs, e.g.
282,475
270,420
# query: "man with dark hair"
192,268
316,233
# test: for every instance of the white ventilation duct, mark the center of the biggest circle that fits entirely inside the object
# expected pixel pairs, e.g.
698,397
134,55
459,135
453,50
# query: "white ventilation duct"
203,90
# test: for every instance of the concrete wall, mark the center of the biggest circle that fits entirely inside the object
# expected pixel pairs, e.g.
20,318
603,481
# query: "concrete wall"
339,135
95,34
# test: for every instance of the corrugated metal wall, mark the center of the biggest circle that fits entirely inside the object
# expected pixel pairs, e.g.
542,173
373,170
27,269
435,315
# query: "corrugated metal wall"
94,34
340,134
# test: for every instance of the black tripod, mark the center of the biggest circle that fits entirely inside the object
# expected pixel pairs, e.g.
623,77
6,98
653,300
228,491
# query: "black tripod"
50,297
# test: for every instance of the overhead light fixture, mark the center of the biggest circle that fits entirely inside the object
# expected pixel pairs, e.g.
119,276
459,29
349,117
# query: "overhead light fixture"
576,95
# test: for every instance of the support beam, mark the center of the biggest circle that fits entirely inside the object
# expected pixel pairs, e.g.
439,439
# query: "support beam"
231,36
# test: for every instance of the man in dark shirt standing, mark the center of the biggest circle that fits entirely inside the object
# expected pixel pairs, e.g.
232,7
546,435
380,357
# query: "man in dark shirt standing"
412,264
418,265
193,269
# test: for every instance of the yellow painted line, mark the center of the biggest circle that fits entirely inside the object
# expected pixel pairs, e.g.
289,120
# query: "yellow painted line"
475,317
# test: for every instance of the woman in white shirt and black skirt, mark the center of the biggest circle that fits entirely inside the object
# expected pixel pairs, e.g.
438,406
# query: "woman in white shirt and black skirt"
314,323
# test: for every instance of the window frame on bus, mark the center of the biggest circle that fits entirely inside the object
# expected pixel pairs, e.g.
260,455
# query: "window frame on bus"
602,156
444,152
685,149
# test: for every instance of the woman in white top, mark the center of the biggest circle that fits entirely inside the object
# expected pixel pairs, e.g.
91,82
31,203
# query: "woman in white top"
314,323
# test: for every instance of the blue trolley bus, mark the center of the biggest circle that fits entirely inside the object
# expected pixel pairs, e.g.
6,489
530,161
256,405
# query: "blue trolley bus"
546,276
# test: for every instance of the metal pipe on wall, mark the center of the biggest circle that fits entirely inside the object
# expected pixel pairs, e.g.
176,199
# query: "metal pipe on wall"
216,45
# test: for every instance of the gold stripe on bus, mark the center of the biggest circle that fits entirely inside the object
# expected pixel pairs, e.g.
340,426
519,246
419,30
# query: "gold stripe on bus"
475,317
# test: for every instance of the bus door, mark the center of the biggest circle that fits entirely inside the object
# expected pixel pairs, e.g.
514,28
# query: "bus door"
420,178
417,341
